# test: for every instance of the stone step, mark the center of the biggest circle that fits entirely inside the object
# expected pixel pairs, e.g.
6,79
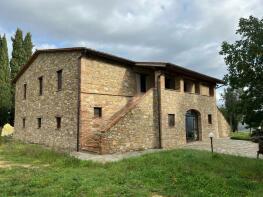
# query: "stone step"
92,149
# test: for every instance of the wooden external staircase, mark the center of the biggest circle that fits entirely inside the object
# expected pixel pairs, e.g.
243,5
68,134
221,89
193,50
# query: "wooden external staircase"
93,142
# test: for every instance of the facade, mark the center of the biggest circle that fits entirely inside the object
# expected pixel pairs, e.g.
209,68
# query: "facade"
85,100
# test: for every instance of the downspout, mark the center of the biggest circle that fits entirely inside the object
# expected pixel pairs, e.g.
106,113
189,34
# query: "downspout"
78,108
159,110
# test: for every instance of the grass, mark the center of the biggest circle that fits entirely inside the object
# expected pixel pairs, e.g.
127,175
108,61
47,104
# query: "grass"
244,135
167,173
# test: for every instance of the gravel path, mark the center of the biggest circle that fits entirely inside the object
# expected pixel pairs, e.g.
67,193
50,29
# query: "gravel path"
227,146
223,145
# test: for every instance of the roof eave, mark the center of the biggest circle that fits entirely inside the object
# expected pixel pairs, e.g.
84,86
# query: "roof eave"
84,50
195,74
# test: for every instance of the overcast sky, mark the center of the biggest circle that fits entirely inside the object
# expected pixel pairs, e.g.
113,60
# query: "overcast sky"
185,32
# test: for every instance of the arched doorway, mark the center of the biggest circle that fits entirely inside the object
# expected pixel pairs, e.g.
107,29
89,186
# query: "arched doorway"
192,125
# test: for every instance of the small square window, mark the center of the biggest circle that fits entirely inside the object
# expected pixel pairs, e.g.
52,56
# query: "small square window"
24,123
97,112
209,118
39,120
58,119
171,120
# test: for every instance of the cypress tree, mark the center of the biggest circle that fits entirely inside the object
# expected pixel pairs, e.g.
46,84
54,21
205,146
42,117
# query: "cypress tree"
5,86
22,50
17,61
18,53
4,61
28,46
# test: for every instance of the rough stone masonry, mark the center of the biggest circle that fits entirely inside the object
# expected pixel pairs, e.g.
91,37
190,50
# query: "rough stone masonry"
109,104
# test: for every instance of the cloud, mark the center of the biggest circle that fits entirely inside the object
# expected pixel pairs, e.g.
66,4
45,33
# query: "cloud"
186,32
45,46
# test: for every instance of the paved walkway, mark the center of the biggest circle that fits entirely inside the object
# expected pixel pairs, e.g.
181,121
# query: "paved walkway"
227,146
223,145
111,157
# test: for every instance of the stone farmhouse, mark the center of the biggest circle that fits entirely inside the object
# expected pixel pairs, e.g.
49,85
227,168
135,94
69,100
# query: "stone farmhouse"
78,99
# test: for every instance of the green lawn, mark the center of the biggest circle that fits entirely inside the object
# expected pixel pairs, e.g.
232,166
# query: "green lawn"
241,135
167,173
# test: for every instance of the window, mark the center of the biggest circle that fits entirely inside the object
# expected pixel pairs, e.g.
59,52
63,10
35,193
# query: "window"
171,120
143,82
39,123
40,80
209,118
24,123
25,91
59,80
169,82
58,119
97,112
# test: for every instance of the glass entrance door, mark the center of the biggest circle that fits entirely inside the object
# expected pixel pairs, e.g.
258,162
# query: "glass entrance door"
191,125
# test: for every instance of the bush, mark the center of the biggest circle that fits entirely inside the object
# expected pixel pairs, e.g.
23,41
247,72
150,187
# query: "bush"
240,136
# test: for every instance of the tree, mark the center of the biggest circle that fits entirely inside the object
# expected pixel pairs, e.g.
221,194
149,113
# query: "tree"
5,87
231,109
4,61
18,53
27,46
245,65
22,50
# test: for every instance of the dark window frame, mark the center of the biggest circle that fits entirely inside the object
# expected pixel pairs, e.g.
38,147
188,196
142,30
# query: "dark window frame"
39,122
25,91
40,83
209,117
59,79
171,120
97,112
58,121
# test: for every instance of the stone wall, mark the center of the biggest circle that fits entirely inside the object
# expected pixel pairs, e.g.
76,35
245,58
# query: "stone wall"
137,130
178,103
51,104
104,84
113,87
223,126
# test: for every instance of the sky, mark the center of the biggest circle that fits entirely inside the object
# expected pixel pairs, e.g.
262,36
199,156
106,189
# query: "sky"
188,33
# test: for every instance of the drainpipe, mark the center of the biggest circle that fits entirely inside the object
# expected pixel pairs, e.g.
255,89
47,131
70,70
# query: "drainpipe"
78,107
159,109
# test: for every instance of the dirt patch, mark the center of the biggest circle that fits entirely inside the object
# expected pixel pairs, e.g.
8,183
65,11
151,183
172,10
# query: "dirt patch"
8,164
